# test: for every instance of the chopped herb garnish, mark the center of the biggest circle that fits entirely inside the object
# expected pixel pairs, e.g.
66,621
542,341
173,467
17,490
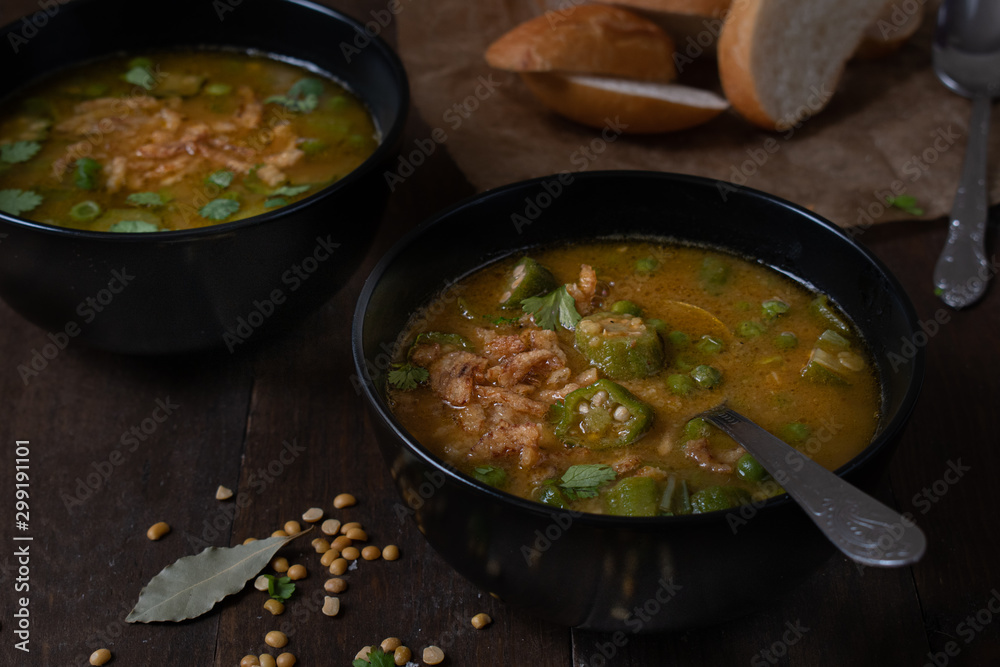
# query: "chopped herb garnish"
407,376
86,172
279,588
302,97
141,76
145,199
133,227
19,151
16,202
219,209
140,61
582,481
221,178
499,320
938,291
290,190
274,202
906,203
376,658
218,89
555,308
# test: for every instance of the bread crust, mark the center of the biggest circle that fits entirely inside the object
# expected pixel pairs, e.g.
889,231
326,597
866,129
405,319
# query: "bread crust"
734,52
597,107
597,39
714,8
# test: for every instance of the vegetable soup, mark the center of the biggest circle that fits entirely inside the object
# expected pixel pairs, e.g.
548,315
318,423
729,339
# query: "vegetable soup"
574,377
176,140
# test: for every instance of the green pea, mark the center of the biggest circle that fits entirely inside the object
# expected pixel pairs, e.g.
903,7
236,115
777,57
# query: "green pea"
218,89
681,385
750,469
749,329
696,428
85,211
706,376
709,345
795,433
772,308
714,273
647,265
657,325
679,339
625,307
786,340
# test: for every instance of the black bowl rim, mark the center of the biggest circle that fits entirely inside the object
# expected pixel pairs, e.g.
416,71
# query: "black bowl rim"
881,440
389,140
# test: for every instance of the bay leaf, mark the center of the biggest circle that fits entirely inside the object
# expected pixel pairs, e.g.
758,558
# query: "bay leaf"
192,585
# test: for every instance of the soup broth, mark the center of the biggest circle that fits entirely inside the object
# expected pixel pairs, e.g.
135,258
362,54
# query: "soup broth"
598,413
176,140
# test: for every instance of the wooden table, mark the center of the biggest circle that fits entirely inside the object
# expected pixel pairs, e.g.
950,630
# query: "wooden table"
282,423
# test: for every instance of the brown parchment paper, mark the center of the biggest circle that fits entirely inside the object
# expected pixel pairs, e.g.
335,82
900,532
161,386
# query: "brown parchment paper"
890,123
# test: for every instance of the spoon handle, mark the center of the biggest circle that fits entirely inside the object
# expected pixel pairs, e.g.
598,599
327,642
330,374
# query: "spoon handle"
860,526
962,272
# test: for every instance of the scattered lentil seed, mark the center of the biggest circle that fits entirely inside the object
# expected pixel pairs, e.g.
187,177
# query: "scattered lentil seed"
402,655
350,553
158,530
349,526
481,620
267,660
363,653
223,493
391,552
341,543
335,585
357,535
249,540
371,552
276,639
279,533
344,500
390,644
100,656
331,606
285,660
320,545
279,564
312,515
297,572
250,661
329,557
260,583
330,527
293,527
433,655
275,607
338,567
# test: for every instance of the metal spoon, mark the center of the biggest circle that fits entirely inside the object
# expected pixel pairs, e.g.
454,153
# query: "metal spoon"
860,526
967,60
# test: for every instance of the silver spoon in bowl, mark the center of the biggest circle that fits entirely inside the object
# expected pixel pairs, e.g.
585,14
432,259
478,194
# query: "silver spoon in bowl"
967,60
864,529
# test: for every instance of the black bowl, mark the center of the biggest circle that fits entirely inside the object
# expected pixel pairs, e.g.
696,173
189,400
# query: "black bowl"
602,572
221,285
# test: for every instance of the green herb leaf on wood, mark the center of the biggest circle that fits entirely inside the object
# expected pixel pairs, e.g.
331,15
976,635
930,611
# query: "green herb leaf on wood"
376,658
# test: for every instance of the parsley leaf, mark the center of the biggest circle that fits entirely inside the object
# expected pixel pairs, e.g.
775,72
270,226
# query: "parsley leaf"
85,176
16,202
582,481
220,178
303,96
907,203
219,209
290,190
376,658
19,151
274,202
145,199
140,75
555,308
133,227
279,588
407,376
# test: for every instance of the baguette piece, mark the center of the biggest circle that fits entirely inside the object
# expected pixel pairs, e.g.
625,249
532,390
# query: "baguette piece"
596,39
634,107
780,60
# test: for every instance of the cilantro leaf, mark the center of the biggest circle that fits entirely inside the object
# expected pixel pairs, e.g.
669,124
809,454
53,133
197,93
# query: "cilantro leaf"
306,86
140,75
376,658
279,588
219,209
274,202
290,190
906,203
16,202
133,227
553,309
302,97
85,176
145,199
582,481
407,376
19,151
221,178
